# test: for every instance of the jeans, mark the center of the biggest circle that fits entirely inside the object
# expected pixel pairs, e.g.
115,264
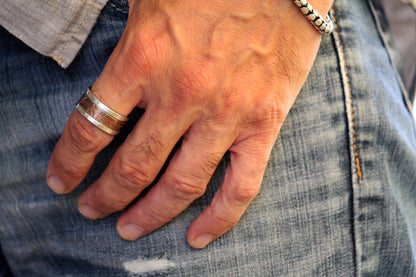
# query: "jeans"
337,199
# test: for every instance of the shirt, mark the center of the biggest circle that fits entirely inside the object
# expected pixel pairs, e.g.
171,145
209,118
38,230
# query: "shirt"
54,28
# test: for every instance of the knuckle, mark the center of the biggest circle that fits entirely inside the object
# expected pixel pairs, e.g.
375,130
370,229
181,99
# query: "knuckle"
242,195
226,220
85,137
150,45
145,49
141,56
108,201
267,111
263,118
186,190
71,168
156,216
132,175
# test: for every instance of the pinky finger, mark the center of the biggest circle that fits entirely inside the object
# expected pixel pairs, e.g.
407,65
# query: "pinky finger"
241,184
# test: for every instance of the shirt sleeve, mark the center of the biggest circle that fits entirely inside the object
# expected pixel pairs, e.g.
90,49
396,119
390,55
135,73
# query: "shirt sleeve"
54,28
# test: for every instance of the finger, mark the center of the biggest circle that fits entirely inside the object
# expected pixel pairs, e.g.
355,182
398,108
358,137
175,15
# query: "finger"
74,153
185,180
80,143
135,164
241,184
81,140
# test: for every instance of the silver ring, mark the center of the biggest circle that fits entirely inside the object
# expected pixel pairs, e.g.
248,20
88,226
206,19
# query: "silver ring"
99,114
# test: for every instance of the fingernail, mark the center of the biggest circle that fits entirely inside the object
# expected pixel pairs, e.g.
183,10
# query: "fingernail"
202,241
56,184
130,232
90,212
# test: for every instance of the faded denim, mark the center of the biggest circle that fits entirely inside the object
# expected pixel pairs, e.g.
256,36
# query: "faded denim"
338,197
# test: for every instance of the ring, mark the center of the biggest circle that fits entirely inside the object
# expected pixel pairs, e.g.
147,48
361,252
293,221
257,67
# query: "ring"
99,114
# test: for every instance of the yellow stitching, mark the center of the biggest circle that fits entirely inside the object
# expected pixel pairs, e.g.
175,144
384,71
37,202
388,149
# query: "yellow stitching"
347,79
90,4
57,59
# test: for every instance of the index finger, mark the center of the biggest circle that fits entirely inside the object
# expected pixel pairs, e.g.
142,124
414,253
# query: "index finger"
80,142
74,153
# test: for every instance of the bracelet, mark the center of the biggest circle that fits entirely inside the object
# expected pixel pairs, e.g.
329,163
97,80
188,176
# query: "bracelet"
320,24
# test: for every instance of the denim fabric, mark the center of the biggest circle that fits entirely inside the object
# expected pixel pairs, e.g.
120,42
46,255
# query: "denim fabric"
338,196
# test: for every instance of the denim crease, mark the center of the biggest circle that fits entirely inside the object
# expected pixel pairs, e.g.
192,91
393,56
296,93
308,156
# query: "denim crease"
337,198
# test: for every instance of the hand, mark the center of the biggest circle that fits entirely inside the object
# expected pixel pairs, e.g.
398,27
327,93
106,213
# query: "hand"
222,75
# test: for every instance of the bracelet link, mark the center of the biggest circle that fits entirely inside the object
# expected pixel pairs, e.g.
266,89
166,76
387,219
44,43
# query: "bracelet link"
324,26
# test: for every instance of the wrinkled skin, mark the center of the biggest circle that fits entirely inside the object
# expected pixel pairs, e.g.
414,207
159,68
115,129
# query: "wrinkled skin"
221,74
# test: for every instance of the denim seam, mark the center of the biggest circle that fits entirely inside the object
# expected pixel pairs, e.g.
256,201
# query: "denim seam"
91,5
118,9
352,133
390,55
349,102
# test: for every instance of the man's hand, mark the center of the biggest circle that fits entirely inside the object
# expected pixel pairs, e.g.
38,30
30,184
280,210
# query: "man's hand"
222,75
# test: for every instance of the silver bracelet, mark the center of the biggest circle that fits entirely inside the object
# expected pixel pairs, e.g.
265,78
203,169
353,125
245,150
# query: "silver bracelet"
320,24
